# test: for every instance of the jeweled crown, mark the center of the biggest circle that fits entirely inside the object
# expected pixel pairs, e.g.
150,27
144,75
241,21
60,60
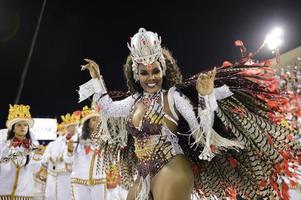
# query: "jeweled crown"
145,48
74,118
18,113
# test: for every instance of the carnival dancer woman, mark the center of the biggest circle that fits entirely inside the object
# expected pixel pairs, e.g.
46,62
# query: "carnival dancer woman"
20,157
190,136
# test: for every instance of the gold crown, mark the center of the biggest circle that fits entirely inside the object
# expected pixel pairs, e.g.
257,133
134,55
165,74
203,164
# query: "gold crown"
18,113
87,113
61,128
71,119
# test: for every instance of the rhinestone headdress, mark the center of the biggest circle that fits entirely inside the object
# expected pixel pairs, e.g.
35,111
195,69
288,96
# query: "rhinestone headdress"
145,48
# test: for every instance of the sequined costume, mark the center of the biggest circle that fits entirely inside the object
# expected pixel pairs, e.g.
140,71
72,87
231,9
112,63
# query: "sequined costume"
154,143
230,136
238,115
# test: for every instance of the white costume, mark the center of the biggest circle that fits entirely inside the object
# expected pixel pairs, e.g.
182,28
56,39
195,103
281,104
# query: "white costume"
17,178
86,181
39,189
58,171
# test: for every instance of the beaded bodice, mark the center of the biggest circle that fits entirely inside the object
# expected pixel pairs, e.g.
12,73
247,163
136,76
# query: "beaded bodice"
155,144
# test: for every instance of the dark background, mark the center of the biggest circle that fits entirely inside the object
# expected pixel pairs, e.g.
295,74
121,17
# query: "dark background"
199,33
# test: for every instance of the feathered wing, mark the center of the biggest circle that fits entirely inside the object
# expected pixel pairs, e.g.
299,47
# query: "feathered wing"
270,148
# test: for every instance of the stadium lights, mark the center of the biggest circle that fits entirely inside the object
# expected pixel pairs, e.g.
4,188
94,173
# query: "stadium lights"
273,40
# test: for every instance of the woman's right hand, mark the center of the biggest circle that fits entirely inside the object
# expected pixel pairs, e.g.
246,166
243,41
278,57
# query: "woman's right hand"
93,68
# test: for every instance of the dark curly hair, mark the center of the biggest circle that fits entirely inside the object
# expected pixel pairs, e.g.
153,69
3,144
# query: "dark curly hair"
85,133
86,130
173,75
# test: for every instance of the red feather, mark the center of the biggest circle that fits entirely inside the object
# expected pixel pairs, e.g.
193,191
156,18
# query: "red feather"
263,183
270,139
233,162
293,183
284,189
87,149
275,186
227,64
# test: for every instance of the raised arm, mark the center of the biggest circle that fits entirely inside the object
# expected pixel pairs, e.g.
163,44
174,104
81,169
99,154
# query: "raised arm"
97,88
201,123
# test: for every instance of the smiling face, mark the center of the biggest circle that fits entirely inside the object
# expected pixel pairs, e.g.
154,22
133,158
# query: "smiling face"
21,129
151,78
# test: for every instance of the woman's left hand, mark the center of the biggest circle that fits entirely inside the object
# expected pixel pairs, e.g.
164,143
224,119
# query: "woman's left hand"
205,83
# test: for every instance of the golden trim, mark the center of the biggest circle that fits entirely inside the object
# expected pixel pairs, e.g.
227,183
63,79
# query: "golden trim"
16,197
57,172
58,159
91,168
37,159
72,192
12,195
68,167
88,182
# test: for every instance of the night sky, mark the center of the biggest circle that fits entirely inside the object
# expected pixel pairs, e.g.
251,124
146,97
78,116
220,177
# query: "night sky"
200,34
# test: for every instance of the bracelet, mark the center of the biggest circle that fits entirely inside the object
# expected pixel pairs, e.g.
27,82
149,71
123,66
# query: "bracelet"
102,96
202,102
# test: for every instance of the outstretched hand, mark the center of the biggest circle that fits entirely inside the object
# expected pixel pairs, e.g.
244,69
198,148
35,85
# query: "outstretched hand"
205,82
93,68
